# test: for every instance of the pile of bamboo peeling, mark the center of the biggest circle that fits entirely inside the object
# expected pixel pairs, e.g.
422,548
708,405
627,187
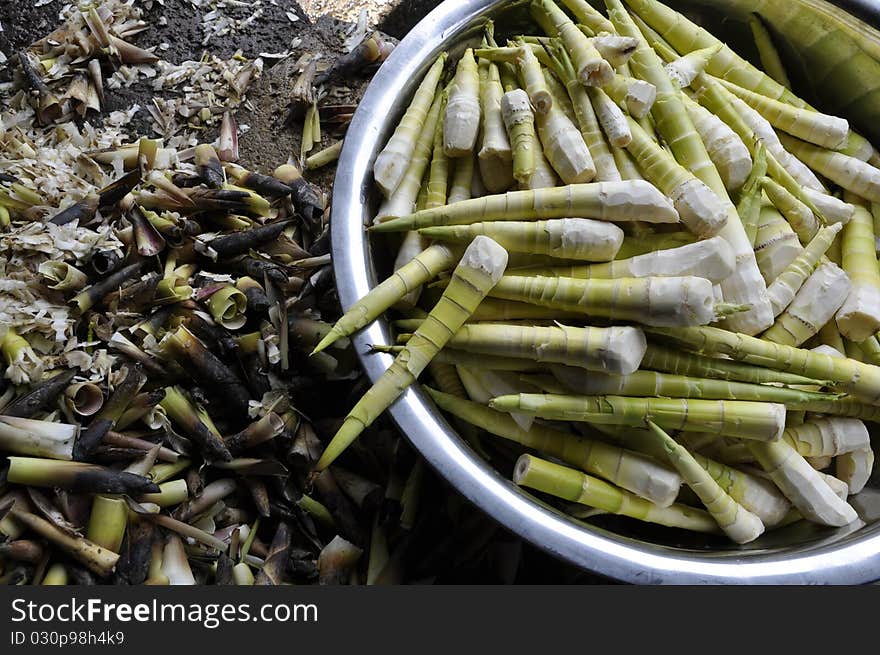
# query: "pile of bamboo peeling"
642,260
159,411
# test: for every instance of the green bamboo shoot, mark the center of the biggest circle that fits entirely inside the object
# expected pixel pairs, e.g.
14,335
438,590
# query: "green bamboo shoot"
848,172
802,484
701,211
615,349
767,52
461,120
480,268
733,418
859,317
814,305
811,126
736,521
393,162
608,201
495,156
799,216
635,473
420,270
711,259
574,486
660,301
564,238
785,287
519,119
854,377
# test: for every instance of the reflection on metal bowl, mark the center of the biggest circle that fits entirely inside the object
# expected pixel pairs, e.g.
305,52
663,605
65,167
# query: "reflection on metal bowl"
609,546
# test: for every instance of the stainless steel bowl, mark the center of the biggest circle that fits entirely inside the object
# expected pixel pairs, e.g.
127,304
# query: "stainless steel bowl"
617,549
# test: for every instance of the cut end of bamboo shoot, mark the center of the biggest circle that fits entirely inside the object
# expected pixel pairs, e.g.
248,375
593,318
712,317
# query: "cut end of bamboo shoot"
803,485
855,468
484,254
859,317
597,73
699,208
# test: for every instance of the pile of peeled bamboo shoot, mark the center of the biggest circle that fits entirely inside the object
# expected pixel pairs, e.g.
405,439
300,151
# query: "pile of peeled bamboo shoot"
645,262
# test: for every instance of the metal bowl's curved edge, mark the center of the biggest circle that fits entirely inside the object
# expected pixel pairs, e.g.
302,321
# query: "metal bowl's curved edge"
588,547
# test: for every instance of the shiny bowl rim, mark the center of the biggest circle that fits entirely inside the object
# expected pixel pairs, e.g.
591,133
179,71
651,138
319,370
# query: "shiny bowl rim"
850,559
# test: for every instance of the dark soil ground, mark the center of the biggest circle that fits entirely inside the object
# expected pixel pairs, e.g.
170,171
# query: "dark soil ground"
484,552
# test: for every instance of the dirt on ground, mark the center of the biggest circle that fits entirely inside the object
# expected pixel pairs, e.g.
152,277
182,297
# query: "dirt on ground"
272,136
177,29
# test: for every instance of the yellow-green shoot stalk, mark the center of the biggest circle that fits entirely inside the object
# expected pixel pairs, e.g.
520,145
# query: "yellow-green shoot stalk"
659,301
394,160
854,377
736,521
421,269
461,120
733,418
802,484
859,317
635,473
811,126
848,172
578,487
480,268
24,436
786,286
649,384
701,211
745,286
767,52
519,121
496,155
563,238
607,201
660,358
799,216
814,305
616,349
710,258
